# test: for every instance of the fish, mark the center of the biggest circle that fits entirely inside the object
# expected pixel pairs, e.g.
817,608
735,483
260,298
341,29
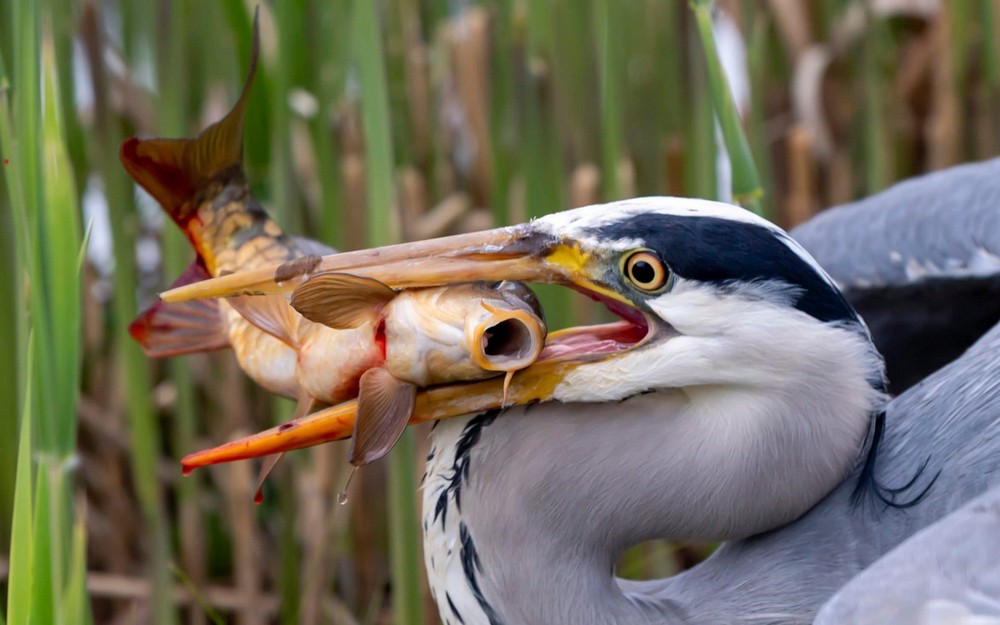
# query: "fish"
356,339
428,337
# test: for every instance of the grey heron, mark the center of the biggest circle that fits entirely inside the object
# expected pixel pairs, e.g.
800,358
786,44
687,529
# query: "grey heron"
739,399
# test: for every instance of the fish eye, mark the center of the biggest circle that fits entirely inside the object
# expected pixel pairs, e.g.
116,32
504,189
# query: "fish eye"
646,271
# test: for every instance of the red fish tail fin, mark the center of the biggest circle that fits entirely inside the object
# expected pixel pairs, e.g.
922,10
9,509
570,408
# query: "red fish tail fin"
173,170
176,172
171,329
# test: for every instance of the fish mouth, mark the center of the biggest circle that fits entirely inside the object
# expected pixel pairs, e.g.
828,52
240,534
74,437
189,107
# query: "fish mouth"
508,341
520,253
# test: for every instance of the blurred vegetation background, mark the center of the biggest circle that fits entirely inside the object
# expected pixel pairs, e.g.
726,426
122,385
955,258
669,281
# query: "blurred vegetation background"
370,122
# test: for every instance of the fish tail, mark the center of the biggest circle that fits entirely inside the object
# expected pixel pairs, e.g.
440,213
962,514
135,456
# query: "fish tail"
176,171
185,175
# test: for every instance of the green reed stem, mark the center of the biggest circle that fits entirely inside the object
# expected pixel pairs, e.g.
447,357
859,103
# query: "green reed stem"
173,40
10,314
746,185
878,153
133,367
607,17
20,577
333,50
405,563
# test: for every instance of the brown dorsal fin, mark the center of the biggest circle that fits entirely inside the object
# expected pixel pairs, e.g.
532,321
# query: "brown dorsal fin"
171,170
385,404
171,329
341,300
270,313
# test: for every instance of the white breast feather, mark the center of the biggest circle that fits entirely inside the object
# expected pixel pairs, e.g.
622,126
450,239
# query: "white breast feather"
442,547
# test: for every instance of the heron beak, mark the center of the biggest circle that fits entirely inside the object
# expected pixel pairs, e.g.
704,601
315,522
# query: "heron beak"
536,383
520,253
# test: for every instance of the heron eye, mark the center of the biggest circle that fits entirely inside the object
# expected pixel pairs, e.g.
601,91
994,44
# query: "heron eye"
646,271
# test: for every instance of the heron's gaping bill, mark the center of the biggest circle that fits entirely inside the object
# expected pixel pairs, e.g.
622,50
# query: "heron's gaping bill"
619,279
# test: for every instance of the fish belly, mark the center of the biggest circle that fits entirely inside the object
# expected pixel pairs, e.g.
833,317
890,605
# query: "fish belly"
270,362
332,361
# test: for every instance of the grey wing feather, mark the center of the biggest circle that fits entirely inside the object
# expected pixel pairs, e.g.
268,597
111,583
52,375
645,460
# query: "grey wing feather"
920,262
947,573
949,424
942,224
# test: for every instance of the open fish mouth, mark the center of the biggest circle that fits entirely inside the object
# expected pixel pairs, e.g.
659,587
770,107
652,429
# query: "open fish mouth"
508,341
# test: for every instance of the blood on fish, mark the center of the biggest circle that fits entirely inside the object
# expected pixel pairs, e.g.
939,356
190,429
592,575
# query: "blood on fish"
380,337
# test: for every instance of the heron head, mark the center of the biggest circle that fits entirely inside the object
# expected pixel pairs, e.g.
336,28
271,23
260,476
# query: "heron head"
713,301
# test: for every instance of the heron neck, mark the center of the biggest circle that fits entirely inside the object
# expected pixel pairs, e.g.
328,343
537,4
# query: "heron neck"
526,514
488,564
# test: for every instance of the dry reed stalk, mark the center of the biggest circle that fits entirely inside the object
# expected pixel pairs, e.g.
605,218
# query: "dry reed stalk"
238,481
93,319
228,390
794,23
517,205
336,612
839,178
368,532
469,45
993,29
916,62
412,194
193,548
800,201
112,527
476,219
585,185
983,123
442,218
944,127
123,587
314,510
418,96
95,418
673,161
352,169
304,163
625,174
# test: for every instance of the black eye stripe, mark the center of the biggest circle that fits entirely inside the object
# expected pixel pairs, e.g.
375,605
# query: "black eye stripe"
717,250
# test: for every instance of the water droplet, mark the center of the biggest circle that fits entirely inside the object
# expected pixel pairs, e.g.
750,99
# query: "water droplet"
186,470
258,497
342,495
